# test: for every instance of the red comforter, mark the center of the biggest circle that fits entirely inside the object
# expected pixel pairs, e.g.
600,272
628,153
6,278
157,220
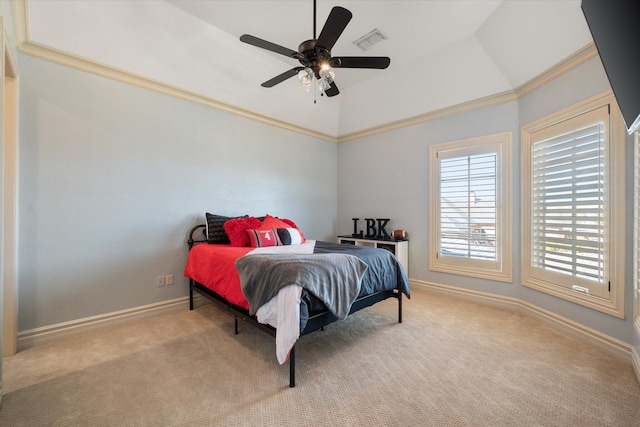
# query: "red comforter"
214,266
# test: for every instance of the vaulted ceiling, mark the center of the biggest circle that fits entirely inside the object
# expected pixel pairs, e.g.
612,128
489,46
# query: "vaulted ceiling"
443,52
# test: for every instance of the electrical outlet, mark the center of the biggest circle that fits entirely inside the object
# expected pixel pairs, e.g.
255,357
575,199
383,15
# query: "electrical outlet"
169,279
160,281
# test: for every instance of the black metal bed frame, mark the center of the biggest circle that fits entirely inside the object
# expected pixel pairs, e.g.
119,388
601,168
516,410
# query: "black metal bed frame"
315,322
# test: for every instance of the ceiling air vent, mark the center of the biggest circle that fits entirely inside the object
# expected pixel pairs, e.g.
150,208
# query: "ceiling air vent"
365,42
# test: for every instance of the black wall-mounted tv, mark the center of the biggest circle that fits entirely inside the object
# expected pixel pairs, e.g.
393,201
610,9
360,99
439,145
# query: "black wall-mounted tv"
614,27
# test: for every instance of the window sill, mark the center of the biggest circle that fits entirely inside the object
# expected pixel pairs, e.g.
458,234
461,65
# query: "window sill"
609,306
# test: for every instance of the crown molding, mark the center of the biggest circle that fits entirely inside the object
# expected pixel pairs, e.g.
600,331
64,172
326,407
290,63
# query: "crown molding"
28,47
433,115
569,63
79,63
20,21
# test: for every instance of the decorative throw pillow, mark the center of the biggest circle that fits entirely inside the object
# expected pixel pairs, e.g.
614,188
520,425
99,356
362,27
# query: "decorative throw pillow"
263,237
293,225
273,222
215,228
237,228
288,221
290,236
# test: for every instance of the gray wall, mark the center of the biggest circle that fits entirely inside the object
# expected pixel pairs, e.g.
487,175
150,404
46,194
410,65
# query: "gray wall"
113,176
386,175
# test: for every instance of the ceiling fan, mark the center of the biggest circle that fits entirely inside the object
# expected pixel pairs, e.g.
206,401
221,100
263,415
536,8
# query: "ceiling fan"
315,55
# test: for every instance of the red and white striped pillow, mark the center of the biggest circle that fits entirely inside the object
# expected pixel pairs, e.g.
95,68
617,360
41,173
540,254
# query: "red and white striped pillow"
264,237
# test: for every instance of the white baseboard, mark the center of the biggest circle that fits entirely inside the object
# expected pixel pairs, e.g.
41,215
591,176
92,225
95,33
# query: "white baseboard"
609,345
635,361
48,334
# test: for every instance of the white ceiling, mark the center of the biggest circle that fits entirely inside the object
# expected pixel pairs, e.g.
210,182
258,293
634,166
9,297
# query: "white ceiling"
443,52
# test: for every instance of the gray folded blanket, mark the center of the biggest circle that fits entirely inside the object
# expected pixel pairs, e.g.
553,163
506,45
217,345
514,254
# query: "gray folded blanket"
333,278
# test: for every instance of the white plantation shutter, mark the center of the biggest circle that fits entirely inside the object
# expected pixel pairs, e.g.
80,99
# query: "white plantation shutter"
470,209
573,205
568,204
468,206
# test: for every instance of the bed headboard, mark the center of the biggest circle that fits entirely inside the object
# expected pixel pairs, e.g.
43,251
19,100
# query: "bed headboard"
195,237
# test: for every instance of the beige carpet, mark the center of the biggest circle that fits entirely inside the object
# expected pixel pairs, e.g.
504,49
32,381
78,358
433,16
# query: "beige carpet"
451,363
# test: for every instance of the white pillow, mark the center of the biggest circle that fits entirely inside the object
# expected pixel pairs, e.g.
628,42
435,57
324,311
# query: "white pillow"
290,236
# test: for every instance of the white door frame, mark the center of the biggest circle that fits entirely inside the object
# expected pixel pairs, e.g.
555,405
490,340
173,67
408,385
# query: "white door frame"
9,191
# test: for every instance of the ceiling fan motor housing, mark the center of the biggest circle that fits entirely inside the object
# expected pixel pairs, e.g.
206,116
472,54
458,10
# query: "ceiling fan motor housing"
314,56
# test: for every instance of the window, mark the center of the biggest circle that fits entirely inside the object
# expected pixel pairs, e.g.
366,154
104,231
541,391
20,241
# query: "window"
469,220
573,205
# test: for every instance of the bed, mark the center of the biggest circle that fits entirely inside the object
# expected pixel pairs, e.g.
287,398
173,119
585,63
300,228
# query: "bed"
292,286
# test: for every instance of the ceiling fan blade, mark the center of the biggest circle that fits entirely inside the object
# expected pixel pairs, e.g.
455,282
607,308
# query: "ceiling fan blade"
255,41
333,90
377,62
335,25
281,77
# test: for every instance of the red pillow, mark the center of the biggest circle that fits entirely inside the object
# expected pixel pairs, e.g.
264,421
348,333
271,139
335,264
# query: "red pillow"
273,222
291,223
237,228
263,237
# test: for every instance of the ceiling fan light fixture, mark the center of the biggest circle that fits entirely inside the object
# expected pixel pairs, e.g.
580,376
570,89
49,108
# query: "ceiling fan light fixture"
305,77
323,85
327,74
326,78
